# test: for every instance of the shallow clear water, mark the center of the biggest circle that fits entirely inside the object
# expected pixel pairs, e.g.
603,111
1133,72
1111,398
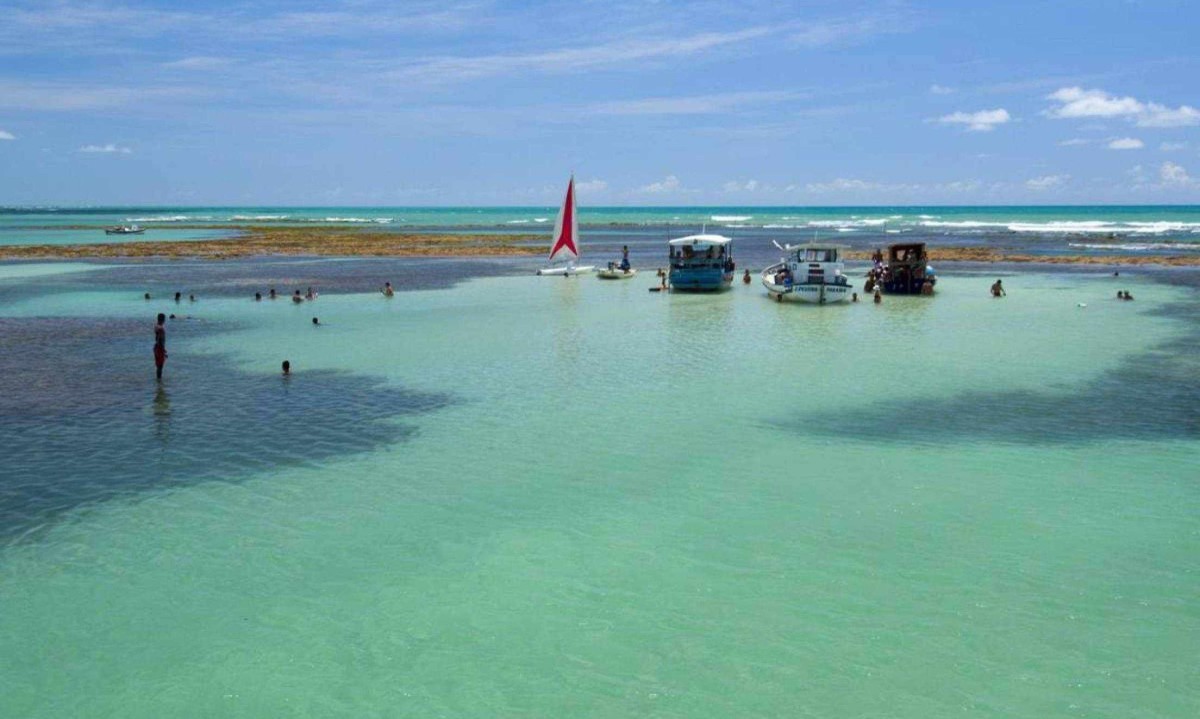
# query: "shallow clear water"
548,497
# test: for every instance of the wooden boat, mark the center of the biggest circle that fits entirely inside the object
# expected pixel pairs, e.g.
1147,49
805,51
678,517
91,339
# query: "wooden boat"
905,271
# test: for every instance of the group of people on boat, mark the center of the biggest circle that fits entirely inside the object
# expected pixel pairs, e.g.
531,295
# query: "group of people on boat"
784,277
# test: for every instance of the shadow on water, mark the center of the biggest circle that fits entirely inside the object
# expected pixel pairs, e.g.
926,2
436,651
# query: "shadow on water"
83,420
1153,395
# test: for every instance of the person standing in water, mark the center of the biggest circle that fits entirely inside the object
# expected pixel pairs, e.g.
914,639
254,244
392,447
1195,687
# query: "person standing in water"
998,290
387,289
160,344
746,278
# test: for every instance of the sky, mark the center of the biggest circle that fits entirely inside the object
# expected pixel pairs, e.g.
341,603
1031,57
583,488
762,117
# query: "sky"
729,102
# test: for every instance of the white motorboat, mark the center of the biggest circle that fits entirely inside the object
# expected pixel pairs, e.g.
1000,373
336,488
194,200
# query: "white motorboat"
565,244
811,272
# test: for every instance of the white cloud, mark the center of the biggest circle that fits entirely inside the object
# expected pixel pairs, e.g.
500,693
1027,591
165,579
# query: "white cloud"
1046,182
110,148
1160,116
574,59
1074,142
200,62
694,105
1076,102
844,30
1171,174
591,186
843,184
668,184
850,185
747,186
69,97
1126,143
940,89
7,135
1173,146
959,186
981,121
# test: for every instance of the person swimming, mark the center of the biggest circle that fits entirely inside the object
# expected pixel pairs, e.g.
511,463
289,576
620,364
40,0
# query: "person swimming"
316,322
191,298
746,278
146,296
178,296
272,293
287,368
387,290
258,297
296,298
310,295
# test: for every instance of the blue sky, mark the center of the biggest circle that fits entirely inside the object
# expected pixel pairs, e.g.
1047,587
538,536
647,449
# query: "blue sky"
731,103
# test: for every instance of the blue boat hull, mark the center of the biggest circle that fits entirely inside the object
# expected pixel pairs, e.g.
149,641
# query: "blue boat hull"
700,280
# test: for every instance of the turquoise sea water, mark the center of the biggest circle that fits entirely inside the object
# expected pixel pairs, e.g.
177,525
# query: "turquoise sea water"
519,496
1038,229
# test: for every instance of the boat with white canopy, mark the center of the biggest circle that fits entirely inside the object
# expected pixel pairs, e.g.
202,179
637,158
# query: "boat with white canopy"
701,263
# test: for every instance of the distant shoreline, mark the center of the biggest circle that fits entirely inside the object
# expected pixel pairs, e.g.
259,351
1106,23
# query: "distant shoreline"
265,241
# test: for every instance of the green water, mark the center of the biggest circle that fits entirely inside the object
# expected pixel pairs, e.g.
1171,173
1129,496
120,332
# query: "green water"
651,505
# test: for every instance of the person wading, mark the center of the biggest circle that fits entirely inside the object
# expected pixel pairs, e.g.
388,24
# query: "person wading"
160,344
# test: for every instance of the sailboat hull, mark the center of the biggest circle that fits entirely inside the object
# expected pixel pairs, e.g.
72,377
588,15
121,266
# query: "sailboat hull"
564,271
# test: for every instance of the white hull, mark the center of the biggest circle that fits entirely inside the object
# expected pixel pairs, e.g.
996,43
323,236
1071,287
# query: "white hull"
565,271
816,293
615,274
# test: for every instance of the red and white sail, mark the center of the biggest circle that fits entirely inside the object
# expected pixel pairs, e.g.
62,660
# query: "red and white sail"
566,229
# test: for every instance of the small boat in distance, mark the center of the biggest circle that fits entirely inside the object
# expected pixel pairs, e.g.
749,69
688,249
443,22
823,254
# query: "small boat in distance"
124,230
701,263
812,272
905,271
565,244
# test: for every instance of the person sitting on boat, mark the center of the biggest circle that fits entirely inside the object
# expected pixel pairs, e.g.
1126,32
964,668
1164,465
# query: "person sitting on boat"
998,290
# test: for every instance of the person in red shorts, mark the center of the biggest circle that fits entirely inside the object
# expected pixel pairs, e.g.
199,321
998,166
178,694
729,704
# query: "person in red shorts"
160,344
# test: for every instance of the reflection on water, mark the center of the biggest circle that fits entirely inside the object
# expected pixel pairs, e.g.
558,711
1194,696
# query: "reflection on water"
162,415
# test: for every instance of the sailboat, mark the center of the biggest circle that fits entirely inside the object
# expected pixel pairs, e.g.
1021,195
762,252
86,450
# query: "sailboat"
566,239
